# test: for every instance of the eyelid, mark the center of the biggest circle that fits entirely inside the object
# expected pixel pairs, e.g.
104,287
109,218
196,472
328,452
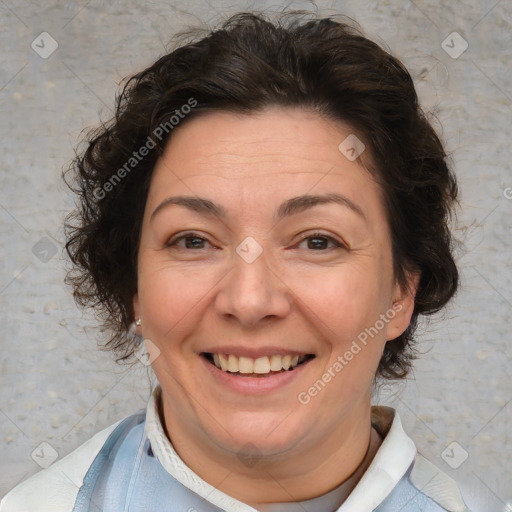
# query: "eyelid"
319,234
187,234
304,236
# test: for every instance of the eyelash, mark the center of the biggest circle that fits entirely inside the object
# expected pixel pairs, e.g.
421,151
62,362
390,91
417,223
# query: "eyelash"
190,234
173,242
337,245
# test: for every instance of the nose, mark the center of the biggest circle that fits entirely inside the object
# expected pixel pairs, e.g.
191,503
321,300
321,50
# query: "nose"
252,292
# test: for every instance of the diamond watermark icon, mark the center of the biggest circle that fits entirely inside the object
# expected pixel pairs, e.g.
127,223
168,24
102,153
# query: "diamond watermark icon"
44,249
454,455
44,455
249,249
249,455
44,45
147,352
352,147
454,45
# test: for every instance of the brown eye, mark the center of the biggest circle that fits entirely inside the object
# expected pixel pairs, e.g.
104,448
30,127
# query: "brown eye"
320,242
191,241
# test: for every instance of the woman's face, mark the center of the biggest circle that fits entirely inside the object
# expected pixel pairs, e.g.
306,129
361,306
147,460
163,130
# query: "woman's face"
264,245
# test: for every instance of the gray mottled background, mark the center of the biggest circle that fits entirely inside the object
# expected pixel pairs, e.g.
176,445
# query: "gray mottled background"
59,389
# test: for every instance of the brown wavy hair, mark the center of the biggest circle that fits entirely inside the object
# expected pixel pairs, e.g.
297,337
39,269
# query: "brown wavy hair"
248,64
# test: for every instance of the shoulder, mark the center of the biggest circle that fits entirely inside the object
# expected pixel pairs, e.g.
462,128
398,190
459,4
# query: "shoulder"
400,478
55,489
425,488
436,485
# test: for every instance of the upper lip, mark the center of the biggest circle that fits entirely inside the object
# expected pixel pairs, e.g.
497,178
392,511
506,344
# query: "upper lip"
254,352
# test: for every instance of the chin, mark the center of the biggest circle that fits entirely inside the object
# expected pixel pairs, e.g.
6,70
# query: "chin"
263,433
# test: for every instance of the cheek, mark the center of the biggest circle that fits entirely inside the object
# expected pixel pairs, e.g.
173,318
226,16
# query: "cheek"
171,298
346,312
343,300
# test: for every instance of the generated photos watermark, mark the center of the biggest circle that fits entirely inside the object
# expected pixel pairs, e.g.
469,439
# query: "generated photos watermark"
304,397
159,133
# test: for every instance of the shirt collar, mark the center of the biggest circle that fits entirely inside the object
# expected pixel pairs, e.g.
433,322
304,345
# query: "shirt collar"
172,463
393,459
389,465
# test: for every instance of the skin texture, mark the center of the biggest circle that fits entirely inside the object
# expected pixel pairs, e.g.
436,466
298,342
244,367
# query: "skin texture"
310,296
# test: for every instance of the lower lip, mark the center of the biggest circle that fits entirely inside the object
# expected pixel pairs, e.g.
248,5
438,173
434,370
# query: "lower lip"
254,385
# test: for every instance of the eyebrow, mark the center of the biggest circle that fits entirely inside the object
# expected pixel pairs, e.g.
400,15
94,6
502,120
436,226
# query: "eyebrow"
290,207
301,203
197,204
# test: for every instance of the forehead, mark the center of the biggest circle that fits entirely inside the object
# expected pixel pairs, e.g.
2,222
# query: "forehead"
275,135
260,158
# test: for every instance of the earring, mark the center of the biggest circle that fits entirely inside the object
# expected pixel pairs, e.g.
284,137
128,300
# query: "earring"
138,322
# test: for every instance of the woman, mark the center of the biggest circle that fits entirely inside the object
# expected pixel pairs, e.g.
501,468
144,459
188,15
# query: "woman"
269,211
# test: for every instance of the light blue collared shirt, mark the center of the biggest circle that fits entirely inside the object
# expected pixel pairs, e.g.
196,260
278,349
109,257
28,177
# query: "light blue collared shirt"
133,467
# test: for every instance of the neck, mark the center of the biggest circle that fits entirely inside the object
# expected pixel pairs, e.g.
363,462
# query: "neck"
302,472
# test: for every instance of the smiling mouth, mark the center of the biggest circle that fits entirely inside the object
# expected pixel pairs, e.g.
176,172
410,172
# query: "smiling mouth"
261,367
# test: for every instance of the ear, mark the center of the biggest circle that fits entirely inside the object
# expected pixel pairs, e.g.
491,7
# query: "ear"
136,313
403,306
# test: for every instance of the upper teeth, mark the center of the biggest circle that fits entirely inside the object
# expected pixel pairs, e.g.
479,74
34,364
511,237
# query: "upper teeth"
265,364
